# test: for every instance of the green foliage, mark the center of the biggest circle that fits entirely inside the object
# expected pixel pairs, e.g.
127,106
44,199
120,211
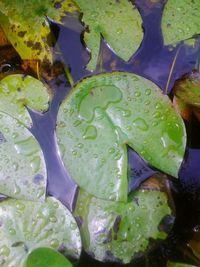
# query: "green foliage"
46,257
102,115
26,226
26,27
117,232
118,21
22,167
18,91
180,20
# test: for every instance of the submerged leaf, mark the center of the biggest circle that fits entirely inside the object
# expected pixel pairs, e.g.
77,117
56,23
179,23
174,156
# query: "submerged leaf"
118,21
22,167
180,20
26,226
18,91
103,114
46,257
26,27
118,232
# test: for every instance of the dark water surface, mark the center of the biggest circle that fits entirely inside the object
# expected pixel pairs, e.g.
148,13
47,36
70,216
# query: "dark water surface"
153,60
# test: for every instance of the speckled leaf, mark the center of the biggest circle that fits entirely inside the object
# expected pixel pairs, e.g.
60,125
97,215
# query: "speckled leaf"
118,21
117,232
188,89
46,257
18,91
22,167
180,20
103,114
26,226
26,27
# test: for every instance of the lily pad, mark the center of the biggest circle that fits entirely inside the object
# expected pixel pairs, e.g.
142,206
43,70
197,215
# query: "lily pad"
118,232
26,27
22,167
118,21
103,114
18,91
26,226
46,257
180,20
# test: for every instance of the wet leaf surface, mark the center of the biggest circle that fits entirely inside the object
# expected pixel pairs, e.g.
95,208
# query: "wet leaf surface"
118,232
46,257
180,20
104,113
22,167
19,91
118,21
173,264
26,27
26,226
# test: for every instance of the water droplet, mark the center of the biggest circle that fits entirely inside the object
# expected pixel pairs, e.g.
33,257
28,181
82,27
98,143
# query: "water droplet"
119,31
54,243
134,78
53,219
141,124
90,132
74,152
80,145
137,93
111,150
148,91
154,123
4,251
17,189
157,114
15,166
12,231
110,14
26,147
73,226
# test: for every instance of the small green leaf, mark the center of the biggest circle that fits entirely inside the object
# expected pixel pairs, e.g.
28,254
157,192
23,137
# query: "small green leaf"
46,257
18,91
22,167
102,115
117,232
26,226
118,21
180,20
26,27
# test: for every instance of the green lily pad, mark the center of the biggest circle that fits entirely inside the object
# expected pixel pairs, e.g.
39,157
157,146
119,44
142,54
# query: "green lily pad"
105,113
18,91
180,20
26,27
26,226
118,232
118,21
46,257
22,167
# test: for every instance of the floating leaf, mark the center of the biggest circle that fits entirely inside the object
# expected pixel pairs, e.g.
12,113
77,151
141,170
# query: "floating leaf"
118,21
180,20
117,232
26,226
22,167
18,91
46,257
25,25
101,115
